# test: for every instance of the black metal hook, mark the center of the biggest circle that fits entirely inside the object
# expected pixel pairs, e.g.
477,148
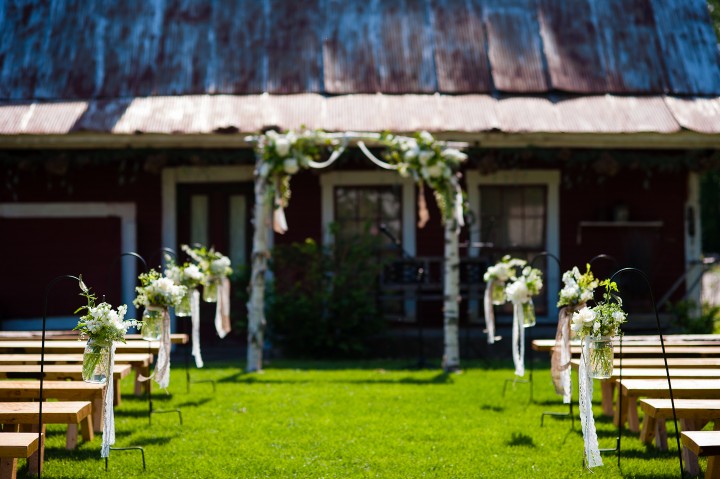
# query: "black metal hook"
667,369
48,288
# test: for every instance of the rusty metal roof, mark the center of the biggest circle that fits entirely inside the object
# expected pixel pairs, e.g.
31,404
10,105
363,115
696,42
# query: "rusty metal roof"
203,114
70,50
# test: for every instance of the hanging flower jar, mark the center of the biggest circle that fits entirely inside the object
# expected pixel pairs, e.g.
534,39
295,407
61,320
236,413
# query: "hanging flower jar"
189,276
102,325
600,357
156,294
497,292
528,310
210,290
96,362
152,320
598,325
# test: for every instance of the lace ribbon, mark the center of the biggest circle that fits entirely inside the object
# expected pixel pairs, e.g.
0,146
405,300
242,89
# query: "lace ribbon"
560,359
279,221
489,312
518,340
222,311
195,318
108,434
162,370
587,421
423,213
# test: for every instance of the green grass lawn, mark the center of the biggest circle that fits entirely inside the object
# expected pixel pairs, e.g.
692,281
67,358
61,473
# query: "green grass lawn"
353,419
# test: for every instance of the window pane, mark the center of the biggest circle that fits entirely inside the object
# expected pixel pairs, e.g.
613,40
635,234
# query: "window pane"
345,202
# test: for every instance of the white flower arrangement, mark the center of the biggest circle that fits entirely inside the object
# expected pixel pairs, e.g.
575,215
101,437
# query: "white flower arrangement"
578,288
604,319
101,323
187,274
210,263
504,269
525,286
158,291
427,161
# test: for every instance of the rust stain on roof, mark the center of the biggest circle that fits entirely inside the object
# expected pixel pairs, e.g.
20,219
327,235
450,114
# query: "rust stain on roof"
68,49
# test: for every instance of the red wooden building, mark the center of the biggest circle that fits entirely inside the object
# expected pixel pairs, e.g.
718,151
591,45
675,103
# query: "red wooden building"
122,128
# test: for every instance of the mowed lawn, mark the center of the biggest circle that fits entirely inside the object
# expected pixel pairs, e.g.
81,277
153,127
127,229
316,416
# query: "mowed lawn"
353,419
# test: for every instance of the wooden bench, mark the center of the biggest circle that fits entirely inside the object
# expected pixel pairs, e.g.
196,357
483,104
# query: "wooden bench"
61,390
69,335
703,443
632,389
676,363
59,372
12,446
15,416
140,362
608,385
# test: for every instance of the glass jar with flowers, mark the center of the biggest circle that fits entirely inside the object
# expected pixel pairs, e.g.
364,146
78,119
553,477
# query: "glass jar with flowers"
214,266
597,326
101,325
497,276
522,289
156,294
188,275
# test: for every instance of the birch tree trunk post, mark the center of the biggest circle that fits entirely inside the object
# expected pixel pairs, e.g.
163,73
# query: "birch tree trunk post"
451,309
260,254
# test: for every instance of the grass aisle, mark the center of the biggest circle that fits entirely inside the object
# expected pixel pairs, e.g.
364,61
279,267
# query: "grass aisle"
353,420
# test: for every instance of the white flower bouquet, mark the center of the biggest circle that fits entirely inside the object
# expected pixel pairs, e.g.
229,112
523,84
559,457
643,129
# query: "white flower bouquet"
158,291
578,288
213,265
101,325
188,275
498,274
521,290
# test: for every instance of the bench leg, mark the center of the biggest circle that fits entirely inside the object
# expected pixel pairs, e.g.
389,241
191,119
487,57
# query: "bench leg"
632,414
86,427
8,468
140,386
607,388
32,461
649,428
71,437
690,459
661,436
97,413
116,391
713,468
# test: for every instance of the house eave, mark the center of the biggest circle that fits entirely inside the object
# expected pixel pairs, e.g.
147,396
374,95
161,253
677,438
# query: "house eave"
679,140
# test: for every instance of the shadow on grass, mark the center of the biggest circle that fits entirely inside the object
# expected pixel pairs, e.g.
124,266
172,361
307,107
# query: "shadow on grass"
198,402
520,439
493,408
440,378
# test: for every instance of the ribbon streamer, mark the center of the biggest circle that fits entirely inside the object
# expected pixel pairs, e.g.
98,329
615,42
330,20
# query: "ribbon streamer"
108,434
518,340
489,312
222,311
423,213
195,317
279,222
587,421
162,370
560,359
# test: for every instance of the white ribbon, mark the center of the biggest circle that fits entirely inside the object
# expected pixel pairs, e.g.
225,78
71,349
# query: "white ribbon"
222,310
195,317
108,434
587,421
162,370
560,359
489,312
518,340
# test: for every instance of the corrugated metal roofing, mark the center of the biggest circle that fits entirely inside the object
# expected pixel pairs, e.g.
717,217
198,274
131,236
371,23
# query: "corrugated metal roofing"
72,49
203,114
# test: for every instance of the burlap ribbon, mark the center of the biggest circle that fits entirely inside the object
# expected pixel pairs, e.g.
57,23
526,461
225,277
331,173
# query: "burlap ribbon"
560,359
222,310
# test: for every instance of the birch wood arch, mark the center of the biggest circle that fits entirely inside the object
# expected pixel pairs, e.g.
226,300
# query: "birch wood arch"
278,156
